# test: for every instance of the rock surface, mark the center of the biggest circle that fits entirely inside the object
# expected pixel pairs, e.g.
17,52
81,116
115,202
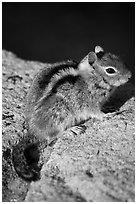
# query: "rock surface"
98,165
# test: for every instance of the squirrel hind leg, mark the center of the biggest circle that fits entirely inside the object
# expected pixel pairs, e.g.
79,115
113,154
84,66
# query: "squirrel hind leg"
25,157
28,174
31,154
23,169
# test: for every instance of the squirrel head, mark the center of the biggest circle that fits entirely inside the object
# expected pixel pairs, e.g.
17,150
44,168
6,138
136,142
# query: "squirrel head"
106,65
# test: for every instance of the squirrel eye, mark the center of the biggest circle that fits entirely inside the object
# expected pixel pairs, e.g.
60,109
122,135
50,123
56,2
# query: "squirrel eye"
110,70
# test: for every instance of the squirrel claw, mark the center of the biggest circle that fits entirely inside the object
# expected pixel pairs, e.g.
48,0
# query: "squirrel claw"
78,129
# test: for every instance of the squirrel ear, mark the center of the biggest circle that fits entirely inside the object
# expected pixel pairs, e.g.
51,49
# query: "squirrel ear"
98,49
99,52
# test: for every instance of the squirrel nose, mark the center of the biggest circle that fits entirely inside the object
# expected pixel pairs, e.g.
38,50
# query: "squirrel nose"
129,75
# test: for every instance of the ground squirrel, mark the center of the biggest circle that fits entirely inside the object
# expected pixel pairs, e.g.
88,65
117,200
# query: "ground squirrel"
63,96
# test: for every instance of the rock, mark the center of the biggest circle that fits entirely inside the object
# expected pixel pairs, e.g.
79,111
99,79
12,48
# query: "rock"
97,166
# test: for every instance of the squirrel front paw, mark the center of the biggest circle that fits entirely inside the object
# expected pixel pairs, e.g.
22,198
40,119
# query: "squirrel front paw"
77,130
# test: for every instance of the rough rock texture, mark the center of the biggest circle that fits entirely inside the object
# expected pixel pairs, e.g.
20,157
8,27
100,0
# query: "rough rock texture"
98,165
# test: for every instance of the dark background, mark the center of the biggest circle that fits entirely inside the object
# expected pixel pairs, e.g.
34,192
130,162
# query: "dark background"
51,32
